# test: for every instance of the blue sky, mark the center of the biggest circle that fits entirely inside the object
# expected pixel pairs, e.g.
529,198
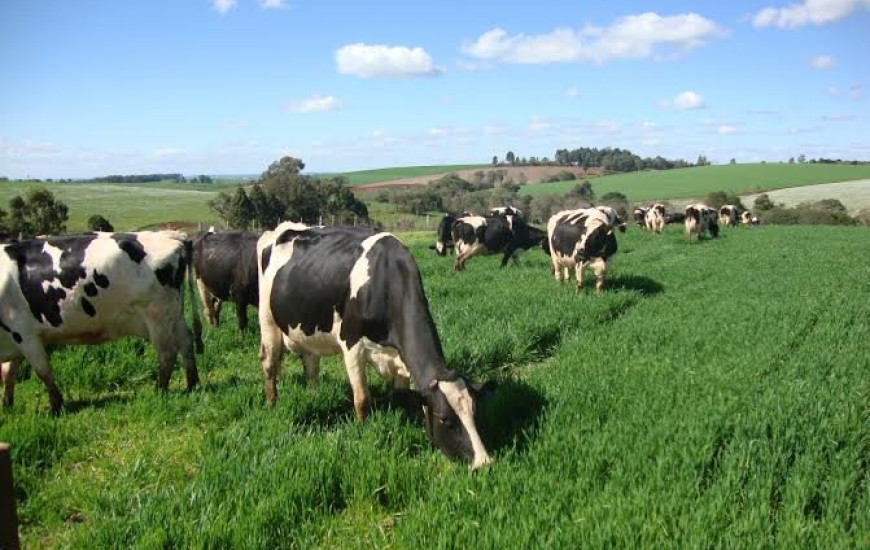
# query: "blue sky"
93,87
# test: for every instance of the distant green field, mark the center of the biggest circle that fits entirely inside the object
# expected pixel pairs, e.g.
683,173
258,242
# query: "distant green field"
697,182
364,177
127,206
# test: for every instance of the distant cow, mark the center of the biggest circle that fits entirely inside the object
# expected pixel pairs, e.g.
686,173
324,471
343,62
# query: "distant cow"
226,271
505,211
675,217
655,218
612,217
444,236
639,215
92,288
579,238
746,218
728,215
700,219
507,235
349,290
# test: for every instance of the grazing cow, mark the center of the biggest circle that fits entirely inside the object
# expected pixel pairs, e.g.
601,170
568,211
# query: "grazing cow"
444,236
655,218
579,238
612,217
747,219
728,215
640,215
505,211
349,290
675,217
226,271
700,219
509,235
91,288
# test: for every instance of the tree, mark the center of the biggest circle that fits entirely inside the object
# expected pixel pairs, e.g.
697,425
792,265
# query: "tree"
791,160
495,160
732,161
763,203
613,196
267,208
510,158
582,191
4,229
802,158
702,161
99,223
39,214
222,205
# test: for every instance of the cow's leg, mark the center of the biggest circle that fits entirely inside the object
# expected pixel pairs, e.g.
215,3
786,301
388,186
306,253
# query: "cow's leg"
311,365
38,358
185,345
241,314
355,363
271,351
578,270
8,370
557,269
599,268
509,251
401,382
208,303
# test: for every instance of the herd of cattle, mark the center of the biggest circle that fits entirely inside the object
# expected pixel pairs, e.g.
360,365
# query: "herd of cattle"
319,291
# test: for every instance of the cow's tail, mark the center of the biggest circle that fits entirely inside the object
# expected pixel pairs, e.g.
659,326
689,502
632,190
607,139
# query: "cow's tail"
197,324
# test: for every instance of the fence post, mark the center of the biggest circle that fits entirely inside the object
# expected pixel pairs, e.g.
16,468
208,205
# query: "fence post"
8,517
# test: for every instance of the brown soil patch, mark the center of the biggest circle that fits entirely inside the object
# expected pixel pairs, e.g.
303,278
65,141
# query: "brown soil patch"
533,174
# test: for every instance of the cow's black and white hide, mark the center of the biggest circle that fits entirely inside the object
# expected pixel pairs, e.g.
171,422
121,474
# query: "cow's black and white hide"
729,215
348,290
444,235
747,219
700,220
612,217
226,271
639,215
580,238
92,288
655,218
506,235
505,211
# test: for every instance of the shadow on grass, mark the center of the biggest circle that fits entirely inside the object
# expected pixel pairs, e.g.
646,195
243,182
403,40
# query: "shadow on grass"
101,402
638,283
510,416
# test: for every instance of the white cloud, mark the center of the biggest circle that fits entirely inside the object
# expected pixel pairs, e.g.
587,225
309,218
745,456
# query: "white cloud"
436,132
274,4
651,141
641,36
376,60
808,12
539,125
378,133
223,6
472,65
727,129
647,126
168,152
839,117
314,104
689,101
572,93
493,129
822,62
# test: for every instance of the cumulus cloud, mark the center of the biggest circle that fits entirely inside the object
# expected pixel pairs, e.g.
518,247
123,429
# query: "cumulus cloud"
822,62
839,117
223,6
314,104
688,101
808,12
377,60
727,129
572,93
641,36
274,4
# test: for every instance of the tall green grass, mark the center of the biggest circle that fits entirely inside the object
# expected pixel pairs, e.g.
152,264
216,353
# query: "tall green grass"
715,395
698,181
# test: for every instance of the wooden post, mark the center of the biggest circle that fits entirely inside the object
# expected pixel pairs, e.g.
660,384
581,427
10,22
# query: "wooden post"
8,516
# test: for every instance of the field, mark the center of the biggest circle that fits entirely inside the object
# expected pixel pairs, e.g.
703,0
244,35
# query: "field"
716,395
854,194
698,181
365,177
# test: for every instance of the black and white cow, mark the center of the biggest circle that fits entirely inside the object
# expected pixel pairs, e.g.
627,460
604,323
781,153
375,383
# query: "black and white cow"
639,215
507,235
505,211
444,235
747,219
655,218
579,238
226,271
349,290
701,219
92,288
728,215
612,217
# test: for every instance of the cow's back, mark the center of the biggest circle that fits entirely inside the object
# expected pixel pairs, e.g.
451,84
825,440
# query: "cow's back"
227,263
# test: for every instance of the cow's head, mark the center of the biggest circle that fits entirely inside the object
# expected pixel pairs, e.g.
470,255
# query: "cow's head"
449,408
599,242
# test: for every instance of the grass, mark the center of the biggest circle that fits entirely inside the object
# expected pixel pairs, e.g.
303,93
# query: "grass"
364,177
698,181
715,395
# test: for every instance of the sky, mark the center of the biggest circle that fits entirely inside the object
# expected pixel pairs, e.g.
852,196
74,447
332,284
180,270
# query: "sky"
97,87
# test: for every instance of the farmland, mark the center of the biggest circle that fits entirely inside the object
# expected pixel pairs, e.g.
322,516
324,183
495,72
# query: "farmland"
698,181
365,177
715,395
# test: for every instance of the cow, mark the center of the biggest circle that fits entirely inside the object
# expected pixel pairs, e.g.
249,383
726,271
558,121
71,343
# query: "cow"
444,236
508,235
700,219
639,215
675,217
226,271
612,217
353,291
505,211
728,215
747,219
655,218
578,238
92,288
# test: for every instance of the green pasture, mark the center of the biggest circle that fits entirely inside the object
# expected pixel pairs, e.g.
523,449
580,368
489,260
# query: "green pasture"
363,177
698,181
715,395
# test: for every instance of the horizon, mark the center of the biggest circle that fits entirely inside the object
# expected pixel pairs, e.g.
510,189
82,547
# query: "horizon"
228,86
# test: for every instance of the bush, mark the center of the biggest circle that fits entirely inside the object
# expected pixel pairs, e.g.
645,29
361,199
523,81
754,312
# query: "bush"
99,223
823,212
763,203
613,196
716,199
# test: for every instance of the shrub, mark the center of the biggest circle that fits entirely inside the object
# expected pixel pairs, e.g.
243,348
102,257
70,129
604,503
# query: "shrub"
99,223
763,203
716,199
